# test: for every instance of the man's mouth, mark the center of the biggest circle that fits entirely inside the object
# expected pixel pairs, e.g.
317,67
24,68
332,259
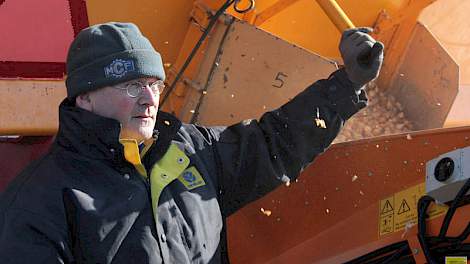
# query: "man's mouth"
142,116
147,114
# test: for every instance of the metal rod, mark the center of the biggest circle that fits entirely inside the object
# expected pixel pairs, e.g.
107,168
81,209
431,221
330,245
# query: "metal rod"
336,14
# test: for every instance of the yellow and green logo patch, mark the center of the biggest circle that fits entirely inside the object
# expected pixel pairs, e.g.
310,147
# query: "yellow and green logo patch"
456,260
191,178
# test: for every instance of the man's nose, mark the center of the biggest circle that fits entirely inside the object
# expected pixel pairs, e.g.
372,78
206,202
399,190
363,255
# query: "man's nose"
149,97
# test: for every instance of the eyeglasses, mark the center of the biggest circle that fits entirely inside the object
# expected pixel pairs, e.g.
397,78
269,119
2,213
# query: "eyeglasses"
135,89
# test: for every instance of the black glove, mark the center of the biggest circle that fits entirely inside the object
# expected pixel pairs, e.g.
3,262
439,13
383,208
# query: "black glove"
362,55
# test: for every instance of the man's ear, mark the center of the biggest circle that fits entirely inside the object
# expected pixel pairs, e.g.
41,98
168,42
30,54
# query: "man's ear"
84,101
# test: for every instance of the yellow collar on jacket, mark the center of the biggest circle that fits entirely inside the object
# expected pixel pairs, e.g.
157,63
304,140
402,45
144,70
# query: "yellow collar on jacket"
134,156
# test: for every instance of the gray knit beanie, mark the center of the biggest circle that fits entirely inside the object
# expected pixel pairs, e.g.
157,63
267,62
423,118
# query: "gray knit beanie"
108,54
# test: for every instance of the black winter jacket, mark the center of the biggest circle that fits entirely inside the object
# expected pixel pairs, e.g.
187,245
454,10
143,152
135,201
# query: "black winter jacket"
83,202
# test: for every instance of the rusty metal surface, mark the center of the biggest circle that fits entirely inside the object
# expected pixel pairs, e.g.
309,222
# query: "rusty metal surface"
427,81
196,86
326,217
254,72
448,21
459,114
30,107
395,31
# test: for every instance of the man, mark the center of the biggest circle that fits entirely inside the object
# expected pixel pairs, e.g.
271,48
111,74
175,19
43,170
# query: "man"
125,184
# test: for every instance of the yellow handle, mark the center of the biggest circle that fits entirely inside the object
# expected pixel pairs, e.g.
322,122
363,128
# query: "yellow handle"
336,14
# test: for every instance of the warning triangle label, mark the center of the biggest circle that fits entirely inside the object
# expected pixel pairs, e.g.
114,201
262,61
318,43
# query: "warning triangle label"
404,207
387,208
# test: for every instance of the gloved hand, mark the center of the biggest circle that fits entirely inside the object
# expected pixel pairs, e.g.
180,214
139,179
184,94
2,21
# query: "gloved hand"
362,55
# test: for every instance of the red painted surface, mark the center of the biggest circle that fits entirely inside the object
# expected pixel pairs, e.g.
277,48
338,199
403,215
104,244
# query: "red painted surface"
79,15
10,69
36,35
15,156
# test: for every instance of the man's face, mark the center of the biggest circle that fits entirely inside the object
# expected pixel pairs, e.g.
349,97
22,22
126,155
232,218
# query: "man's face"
136,115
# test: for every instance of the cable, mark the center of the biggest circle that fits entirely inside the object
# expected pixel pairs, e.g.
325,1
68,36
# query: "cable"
423,205
211,72
374,255
464,235
405,250
211,24
440,246
455,204
453,245
462,249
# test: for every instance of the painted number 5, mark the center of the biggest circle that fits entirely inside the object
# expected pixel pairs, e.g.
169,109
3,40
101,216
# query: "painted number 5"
279,80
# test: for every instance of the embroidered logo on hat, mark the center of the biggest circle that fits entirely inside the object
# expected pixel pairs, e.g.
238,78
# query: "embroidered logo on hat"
118,68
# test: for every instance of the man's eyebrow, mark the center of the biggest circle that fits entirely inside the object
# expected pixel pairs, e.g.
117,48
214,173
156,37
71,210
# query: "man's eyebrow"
146,81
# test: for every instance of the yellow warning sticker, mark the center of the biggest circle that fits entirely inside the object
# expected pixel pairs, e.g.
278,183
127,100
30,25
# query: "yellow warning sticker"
400,210
456,260
386,216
